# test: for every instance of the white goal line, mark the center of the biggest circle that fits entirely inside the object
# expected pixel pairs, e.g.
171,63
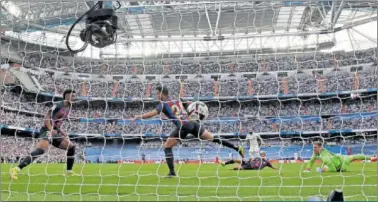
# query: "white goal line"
282,176
191,186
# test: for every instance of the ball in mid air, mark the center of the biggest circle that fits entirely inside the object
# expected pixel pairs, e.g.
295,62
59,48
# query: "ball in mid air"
198,111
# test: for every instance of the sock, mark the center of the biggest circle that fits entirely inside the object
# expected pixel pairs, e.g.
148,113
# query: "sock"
169,158
229,162
33,155
360,157
225,143
70,158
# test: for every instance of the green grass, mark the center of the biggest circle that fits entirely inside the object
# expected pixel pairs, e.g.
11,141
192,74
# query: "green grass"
196,182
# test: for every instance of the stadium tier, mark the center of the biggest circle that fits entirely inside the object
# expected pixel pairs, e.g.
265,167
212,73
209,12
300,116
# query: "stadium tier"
134,90
207,65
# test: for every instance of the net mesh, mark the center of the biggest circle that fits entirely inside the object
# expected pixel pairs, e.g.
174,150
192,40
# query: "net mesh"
277,73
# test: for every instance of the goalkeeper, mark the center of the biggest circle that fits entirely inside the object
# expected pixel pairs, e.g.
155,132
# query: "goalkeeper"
332,162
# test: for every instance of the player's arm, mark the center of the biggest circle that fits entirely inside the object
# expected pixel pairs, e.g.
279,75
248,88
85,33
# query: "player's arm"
63,132
147,115
48,117
329,165
185,104
158,109
271,166
310,163
47,120
261,140
328,168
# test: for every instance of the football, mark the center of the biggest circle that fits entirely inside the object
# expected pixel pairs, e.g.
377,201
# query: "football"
198,111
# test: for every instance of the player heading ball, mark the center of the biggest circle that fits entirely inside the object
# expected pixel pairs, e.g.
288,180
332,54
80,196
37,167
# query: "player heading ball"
176,113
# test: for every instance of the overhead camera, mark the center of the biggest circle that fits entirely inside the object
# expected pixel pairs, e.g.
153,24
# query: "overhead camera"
100,27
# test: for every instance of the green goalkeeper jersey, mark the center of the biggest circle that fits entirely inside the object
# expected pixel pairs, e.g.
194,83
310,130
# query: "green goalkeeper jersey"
332,161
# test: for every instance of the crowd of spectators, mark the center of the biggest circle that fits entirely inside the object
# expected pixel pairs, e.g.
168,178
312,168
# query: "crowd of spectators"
267,84
235,109
13,148
242,125
264,85
225,64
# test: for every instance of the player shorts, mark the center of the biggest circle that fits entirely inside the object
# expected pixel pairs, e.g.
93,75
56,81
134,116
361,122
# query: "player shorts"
246,166
254,150
190,127
345,161
43,135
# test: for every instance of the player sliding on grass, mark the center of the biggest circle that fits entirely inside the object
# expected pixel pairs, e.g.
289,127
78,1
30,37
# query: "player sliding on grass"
51,133
332,162
176,113
257,163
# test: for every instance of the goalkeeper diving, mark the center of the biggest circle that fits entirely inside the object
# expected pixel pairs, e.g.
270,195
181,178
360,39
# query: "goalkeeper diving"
333,162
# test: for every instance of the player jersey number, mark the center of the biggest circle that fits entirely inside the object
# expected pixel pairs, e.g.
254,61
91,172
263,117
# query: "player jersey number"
179,113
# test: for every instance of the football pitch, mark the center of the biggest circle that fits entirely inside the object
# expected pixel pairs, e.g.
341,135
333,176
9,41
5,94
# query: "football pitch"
209,182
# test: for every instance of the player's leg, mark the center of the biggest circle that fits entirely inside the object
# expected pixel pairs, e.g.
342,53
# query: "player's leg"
168,145
206,135
241,165
238,167
198,130
254,151
361,157
42,146
65,144
232,161
345,161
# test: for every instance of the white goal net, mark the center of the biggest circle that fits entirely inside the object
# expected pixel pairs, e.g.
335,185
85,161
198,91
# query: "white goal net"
276,76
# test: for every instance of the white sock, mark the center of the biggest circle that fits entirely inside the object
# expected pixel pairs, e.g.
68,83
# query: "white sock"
18,169
69,171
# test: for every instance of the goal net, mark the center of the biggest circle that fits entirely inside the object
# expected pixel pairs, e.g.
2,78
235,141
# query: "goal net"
276,77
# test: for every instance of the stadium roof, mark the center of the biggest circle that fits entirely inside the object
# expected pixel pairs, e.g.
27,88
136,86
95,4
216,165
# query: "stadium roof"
193,18
189,20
